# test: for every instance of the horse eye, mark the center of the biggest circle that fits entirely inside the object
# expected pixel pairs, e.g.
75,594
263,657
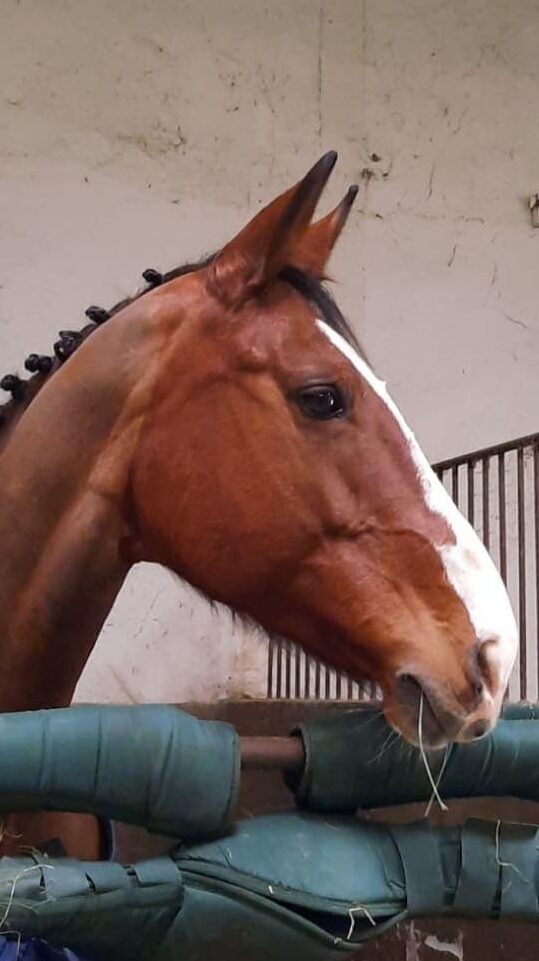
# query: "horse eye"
322,402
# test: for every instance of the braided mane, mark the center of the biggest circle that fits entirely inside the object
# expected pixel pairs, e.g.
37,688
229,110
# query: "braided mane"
43,366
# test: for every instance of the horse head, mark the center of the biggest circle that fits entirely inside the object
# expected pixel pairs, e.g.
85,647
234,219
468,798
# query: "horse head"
273,471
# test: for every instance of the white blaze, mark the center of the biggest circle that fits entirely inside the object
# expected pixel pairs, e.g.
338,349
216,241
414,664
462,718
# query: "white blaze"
468,566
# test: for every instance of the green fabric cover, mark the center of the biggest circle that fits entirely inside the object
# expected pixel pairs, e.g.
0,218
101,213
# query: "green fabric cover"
150,765
343,881
297,886
354,760
158,766
521,712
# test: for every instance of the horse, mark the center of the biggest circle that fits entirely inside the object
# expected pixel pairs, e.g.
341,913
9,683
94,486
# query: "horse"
226,423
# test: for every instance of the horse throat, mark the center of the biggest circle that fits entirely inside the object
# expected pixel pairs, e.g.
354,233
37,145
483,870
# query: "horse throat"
58,581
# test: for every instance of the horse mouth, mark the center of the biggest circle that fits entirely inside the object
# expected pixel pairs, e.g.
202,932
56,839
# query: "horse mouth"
419,716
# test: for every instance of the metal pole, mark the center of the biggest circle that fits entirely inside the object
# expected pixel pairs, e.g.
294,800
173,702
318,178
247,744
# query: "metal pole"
272,753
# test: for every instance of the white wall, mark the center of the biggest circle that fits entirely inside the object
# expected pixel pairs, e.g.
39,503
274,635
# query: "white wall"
139,134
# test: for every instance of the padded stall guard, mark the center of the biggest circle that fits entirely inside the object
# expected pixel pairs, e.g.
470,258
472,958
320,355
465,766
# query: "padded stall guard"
150,765
294,886
354,761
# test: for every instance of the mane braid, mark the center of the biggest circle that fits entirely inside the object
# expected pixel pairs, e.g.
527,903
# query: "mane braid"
43,366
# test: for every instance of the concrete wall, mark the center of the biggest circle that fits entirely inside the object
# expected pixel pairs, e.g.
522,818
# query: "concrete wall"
139,134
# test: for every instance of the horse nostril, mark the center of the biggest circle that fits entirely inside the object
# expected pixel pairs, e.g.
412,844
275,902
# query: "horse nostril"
478,729
486,663
477,675
477,687
425,711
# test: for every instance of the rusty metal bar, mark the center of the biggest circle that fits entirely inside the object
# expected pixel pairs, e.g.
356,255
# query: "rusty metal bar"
521,522
502,516
272,753
485,465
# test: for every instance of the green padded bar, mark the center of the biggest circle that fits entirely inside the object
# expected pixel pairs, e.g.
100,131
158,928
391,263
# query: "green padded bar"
517,855
316,863
149,765
93,906
521,712
479,857
353,760
425,891
291,886
339,868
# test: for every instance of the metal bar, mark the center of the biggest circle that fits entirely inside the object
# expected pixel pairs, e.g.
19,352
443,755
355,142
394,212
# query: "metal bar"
271,652
287,669
486,501
317,678
279,678
299,655
536,525
266,753
521,520
327,691
519,443
455,484
471,492
307,686
503,516
277,753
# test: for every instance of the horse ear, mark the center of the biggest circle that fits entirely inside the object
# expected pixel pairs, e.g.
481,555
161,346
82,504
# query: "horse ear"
257,254
315,245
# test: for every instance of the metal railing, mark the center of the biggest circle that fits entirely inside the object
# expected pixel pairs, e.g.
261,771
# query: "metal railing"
497,489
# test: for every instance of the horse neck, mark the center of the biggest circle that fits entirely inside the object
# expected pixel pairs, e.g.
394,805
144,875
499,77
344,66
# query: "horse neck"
63,527
12,411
